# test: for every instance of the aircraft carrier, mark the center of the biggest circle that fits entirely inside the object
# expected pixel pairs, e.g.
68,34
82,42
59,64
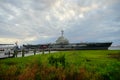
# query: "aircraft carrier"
63,44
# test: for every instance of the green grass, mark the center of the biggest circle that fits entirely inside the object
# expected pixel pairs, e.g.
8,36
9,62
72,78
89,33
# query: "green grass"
79,65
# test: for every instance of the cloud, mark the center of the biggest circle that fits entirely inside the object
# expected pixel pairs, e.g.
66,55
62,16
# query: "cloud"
40,21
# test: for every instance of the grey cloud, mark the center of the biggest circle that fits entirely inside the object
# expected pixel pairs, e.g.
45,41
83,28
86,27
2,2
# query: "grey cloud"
43,19
42,4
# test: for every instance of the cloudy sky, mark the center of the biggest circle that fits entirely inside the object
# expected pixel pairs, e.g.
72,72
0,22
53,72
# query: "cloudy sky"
41,21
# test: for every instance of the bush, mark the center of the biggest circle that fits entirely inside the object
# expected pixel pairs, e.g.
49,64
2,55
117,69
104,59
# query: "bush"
55,61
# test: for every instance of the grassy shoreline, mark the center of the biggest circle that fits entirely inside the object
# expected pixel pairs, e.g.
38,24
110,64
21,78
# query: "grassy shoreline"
79,65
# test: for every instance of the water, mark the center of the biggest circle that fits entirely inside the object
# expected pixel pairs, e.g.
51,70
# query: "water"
114,48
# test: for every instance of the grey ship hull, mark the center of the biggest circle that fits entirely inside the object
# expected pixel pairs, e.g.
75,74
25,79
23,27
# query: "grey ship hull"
72,46
82,46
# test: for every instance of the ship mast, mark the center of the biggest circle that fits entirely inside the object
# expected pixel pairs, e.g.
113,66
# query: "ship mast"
62,32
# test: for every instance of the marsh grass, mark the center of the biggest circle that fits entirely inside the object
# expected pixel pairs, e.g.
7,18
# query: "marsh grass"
77,65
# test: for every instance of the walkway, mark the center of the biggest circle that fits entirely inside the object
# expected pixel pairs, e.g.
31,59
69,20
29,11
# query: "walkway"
2,55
